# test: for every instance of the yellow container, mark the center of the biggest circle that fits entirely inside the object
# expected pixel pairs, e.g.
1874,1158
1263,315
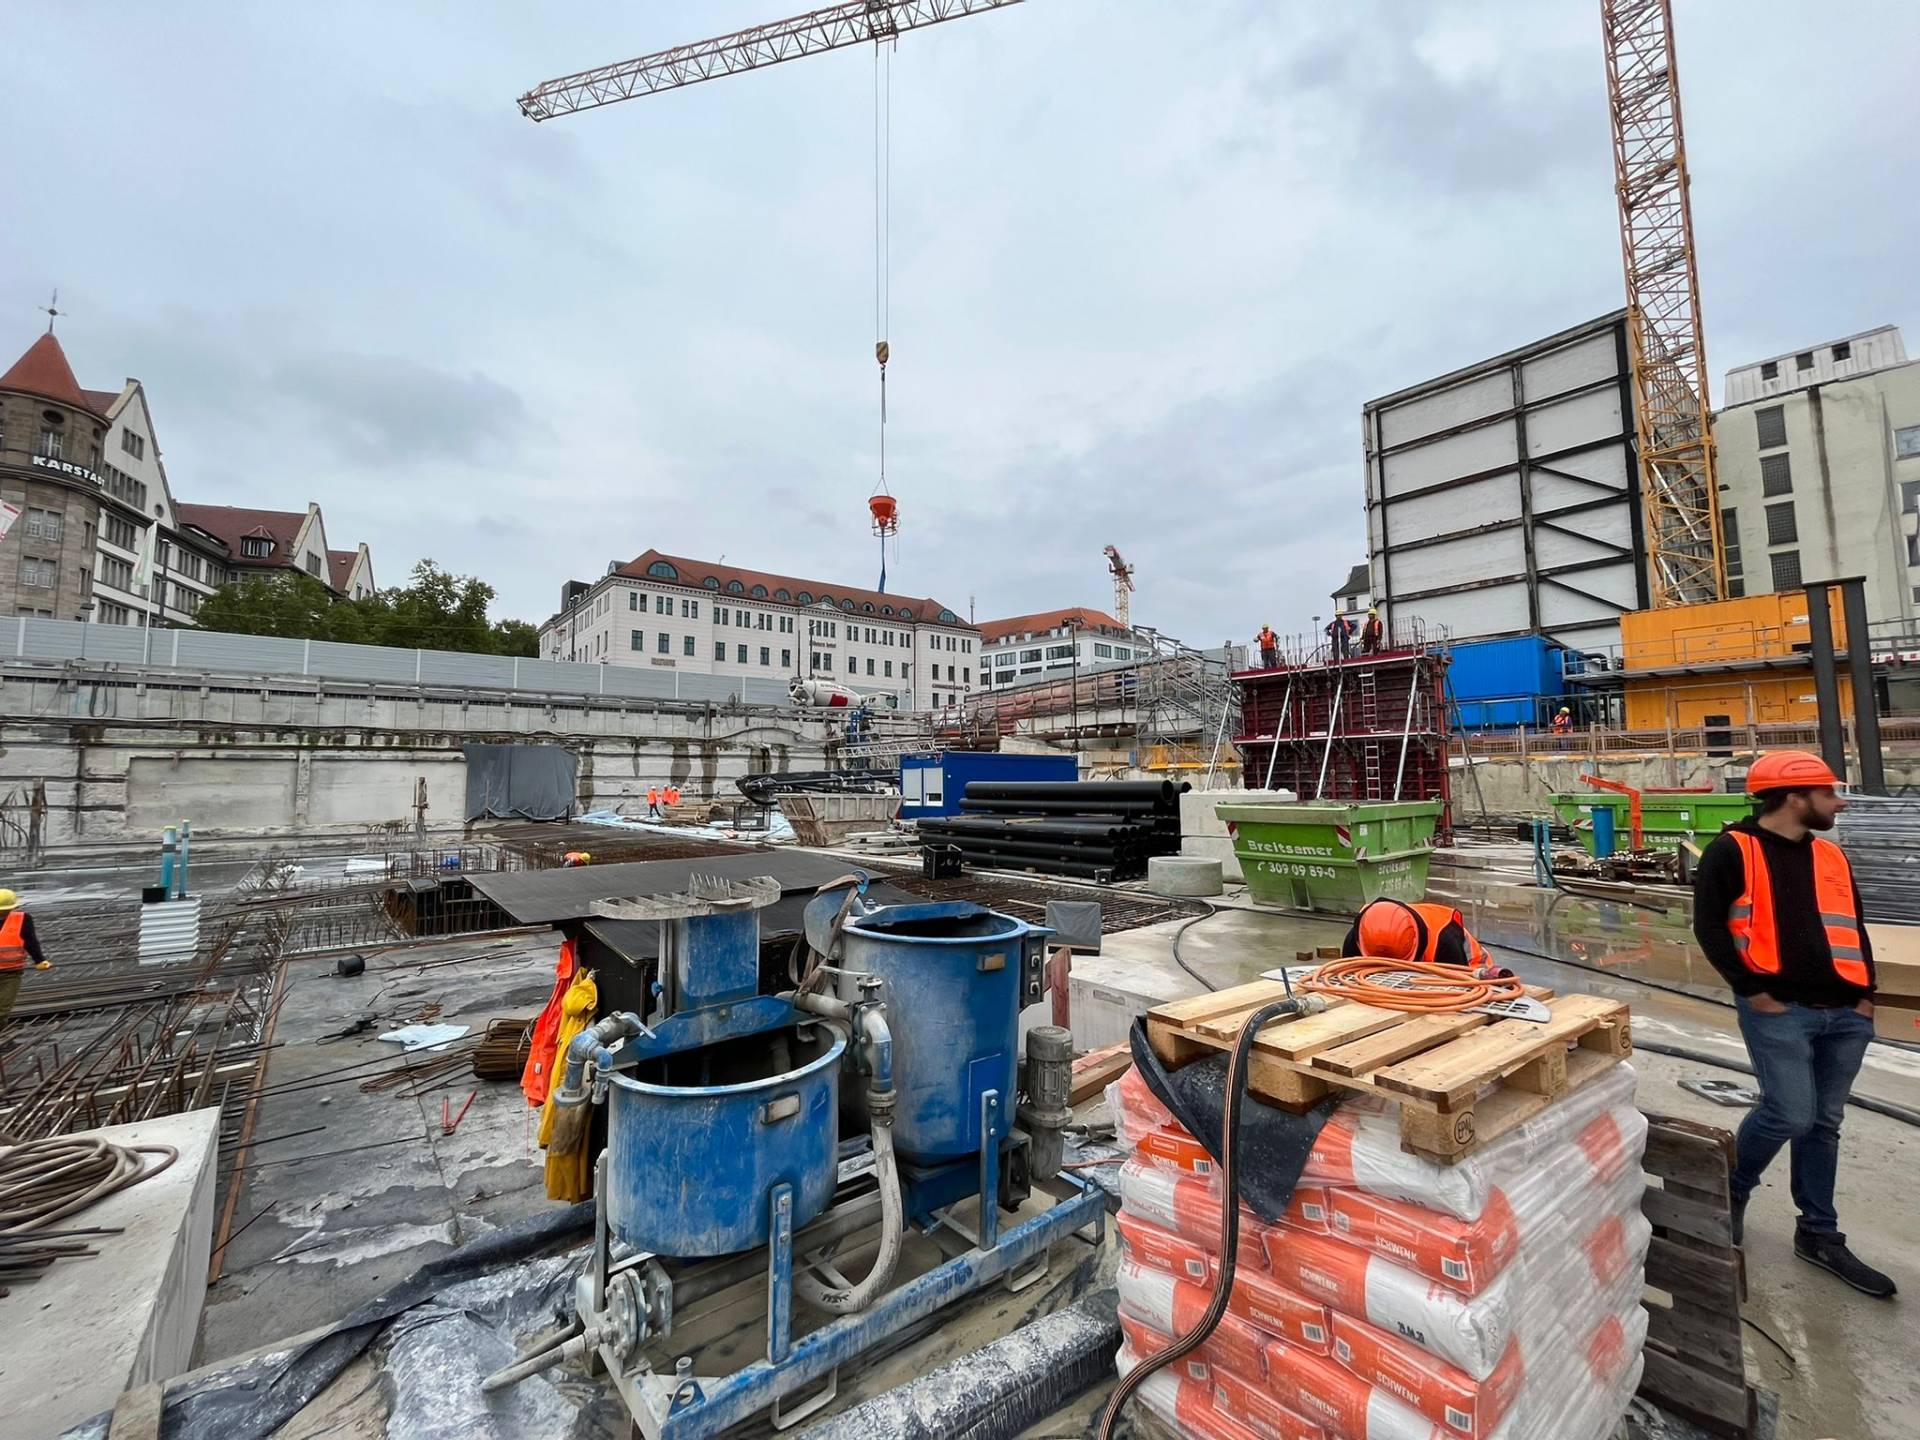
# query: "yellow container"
1739,697
1756,627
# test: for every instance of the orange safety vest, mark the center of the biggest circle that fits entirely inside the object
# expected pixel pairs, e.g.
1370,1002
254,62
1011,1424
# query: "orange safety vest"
13,950
1431,922
1755,930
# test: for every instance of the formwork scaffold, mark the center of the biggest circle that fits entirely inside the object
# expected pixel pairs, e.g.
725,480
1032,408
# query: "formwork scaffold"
1351,728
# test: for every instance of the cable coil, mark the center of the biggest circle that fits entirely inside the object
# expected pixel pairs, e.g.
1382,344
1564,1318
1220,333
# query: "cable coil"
1416,986
46,1180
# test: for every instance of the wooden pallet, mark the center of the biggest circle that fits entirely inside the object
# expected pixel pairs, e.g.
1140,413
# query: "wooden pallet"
1460,1080
1695,1362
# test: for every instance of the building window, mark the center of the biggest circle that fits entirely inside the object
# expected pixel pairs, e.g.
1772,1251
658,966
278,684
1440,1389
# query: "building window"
1804,360
119,531
43,524
719,614
663,570
1103,652
633,599
39,574
906,669
313,565
134,445
686,646
766,655
116,572
719,649
1005,657
1780,527
711,582
966,675
1029,657
1730,546
1843,351
734,587
637,640
739,654
1786,569
256,546
1770,426
869,665
1776,474
1906,442
1770,370
664,643
53,444
1055,652
888,668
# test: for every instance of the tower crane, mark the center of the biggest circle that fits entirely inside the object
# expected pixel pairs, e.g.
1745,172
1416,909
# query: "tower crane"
1666,351
1122,574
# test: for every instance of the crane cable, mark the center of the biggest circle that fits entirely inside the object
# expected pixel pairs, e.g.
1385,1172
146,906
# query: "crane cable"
882,230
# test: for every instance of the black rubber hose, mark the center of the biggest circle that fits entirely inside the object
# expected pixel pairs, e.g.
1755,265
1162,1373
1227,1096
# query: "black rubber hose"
1229,1220
1905,1114
1212,910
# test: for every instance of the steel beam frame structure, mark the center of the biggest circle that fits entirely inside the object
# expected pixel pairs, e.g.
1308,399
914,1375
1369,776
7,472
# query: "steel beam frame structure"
857,22
1685,562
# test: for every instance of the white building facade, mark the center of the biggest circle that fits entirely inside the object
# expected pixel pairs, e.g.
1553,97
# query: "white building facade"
1819,468
1053,642
671,612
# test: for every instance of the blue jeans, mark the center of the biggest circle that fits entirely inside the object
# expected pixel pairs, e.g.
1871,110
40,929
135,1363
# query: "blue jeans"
1805,1060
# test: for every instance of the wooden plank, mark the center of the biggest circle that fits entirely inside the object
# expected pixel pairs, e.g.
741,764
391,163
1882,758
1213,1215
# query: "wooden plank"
1724,1408
1692,1338
1681,1215
1300,1037
1097,1069
1689,1154
1249,997
1451,1074
137,1413
1693,1274
1544,1076
1416,1033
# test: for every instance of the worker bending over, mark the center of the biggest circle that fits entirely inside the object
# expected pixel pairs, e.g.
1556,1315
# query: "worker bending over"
1776,911
18,944
1420,932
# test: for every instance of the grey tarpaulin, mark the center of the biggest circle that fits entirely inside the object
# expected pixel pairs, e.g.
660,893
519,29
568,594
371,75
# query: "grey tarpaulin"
519,782
1274,1144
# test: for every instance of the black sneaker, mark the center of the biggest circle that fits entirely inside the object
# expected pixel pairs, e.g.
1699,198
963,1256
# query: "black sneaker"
1739,1217
1830,1252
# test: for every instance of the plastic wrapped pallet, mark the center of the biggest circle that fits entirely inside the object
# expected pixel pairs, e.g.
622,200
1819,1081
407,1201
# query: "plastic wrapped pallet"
1493,1299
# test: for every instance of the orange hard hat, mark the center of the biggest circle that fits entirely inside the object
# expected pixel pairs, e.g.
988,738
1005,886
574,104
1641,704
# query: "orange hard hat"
1389,930
1789,770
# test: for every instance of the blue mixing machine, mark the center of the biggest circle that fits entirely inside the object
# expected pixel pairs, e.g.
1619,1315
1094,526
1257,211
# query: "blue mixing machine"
758,1128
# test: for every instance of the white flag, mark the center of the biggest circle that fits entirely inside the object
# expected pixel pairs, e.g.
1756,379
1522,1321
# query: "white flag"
143,557
8,514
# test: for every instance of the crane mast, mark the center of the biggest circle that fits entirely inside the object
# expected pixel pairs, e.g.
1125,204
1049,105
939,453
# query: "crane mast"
1122,587
1665,348
858,22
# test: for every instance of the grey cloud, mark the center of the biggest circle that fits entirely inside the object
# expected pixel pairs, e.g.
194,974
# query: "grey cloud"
380,409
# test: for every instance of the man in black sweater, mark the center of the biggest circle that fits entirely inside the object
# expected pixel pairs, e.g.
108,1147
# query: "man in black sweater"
1777,913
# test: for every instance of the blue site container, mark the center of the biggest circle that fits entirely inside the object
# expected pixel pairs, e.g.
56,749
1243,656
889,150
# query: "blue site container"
934,784
1504,683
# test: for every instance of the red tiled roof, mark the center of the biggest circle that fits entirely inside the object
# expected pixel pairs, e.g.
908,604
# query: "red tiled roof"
101,401
697,572
230,524
340,566
1085,616
44,371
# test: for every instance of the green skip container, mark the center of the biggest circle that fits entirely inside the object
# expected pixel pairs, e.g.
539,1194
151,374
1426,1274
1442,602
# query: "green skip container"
1665,819
1335,857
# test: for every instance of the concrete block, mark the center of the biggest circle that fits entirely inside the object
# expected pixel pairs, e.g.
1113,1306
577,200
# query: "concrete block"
1215,847
92,1327
1183,875
1197,807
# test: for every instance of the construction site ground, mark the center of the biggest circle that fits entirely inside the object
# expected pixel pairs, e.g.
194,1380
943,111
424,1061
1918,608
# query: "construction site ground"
347,1187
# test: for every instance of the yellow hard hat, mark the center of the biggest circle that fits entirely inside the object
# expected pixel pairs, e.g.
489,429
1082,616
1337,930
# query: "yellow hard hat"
8,900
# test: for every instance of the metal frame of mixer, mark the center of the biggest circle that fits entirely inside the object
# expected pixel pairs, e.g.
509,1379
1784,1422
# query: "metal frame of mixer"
624,1302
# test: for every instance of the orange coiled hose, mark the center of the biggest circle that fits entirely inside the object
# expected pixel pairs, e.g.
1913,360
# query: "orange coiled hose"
1433,989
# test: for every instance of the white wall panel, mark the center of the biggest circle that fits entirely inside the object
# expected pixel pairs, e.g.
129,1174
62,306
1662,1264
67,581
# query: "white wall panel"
1442,460
1579,420
1455,562
1496,610
1444,409
1585,362
1484,502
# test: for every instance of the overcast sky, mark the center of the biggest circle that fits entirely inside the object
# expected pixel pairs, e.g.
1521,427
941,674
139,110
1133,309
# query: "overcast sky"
1148,261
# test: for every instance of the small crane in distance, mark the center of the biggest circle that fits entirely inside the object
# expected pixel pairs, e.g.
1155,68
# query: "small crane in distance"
1122,574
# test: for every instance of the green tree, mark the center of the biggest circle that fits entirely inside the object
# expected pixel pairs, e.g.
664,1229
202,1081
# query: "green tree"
435,610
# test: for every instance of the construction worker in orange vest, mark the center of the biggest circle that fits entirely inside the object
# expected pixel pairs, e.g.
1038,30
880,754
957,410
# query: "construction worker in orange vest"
653,802
1269,644
673,795
1776,911
1372,634
18,944
1418,931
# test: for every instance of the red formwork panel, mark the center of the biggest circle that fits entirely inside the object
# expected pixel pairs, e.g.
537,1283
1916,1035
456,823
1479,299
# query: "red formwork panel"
1386,715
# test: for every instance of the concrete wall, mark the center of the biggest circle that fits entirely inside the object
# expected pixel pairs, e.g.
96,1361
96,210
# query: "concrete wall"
1517,789
118,762
1850,502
